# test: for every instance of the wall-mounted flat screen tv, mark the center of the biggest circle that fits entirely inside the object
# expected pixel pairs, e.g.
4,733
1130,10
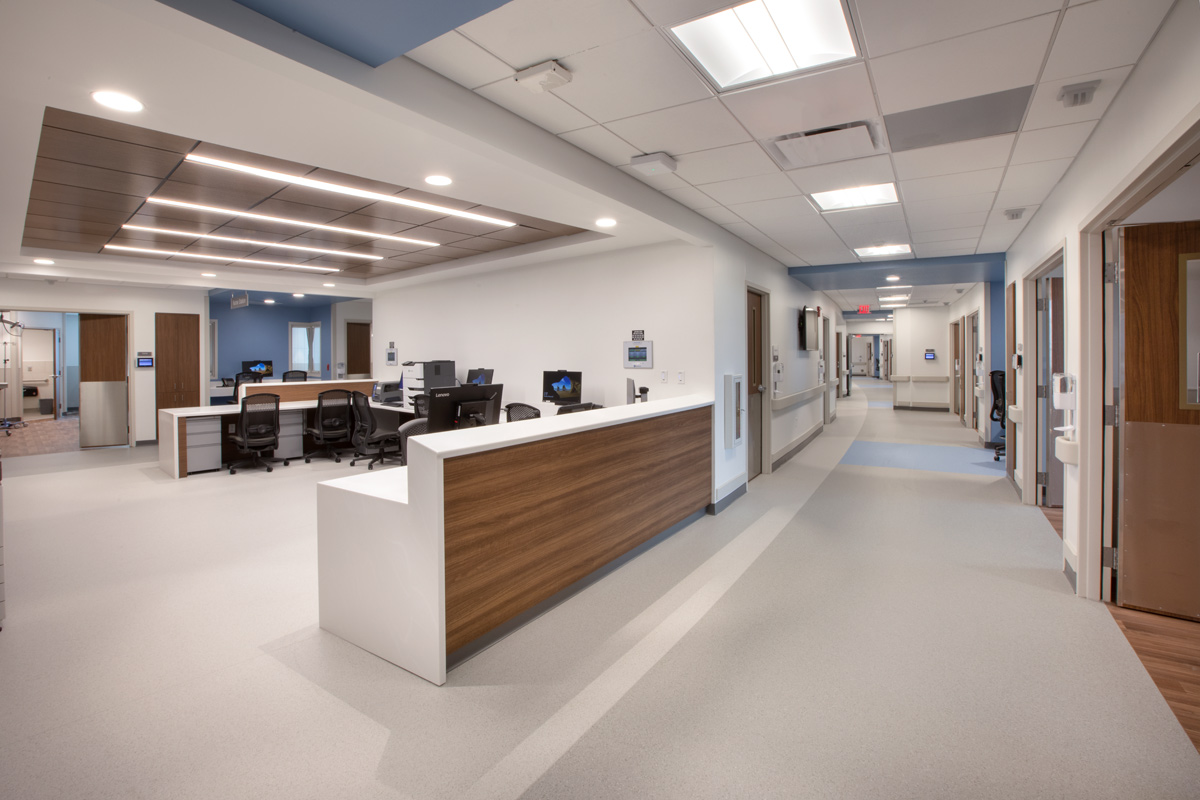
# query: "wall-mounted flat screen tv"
561,386
808,328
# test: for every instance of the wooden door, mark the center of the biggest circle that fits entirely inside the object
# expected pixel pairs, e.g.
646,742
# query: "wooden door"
754,381
177,360
1010,379
1158,538
955,370
103,381
837,365
358,349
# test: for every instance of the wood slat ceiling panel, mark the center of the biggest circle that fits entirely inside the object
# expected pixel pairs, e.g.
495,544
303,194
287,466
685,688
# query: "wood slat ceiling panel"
68,225
48,244
213,178
128,238
96,151
529,222
153,216
315,197
330,176
266,233
208,248
375,224
93,242
46,208
483,244
456,252
208,195
105,180
96,126
249,159
388,249
469,227
428,234
411,216
520,235
283,208
419,258
78,196
437,199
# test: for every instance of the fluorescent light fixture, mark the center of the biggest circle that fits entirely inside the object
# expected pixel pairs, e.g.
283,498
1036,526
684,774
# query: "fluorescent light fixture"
438,180
337,188
605,222
223,259
883,250
45,262
765,38
286,221
891,288
208,274
192,234
893,278
857,197
892,305
894,297
269,301
329,285
117,101
298,294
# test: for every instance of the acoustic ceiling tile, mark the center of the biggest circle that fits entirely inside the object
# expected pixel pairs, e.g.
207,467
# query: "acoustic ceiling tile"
889,26
725,163
544,110
1029,184
749,233
1046,110
855,217
993,60
747,190
529,32
662,181
875,235
793,210
948,235
1102,35
1047,144
918,221
962,183
804,103
456,57
603,144
945,159
611,81
690,197
933,249
672,12
844,174
720,215
682,129
963,204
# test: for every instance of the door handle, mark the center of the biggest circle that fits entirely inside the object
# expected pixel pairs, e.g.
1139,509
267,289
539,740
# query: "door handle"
761,388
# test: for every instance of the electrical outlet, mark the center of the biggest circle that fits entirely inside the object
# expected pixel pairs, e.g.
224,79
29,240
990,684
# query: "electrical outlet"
662,376
681,380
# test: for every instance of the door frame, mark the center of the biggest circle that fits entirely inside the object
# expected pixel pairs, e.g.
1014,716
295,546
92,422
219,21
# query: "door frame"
765,453
1030,368
970,361
955,334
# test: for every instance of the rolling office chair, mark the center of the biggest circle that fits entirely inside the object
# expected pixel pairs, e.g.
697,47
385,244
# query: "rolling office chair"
514,412
369,438
414,427
333,422
257,431
239,379
999,409
421,405
294,375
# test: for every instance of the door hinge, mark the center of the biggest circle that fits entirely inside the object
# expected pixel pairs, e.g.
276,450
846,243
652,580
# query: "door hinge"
1041,304
1108,558
1043,479
1110,414
1041,391
1110,272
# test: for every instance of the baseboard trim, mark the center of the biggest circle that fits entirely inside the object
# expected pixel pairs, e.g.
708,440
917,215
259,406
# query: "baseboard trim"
1071,577
712,509
796,446
922,407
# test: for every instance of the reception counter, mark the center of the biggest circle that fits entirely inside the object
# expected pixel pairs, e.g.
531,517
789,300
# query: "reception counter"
420,563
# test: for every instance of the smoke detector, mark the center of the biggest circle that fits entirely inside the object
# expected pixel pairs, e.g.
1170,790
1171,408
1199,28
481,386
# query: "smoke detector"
653,164
1078,94
543,77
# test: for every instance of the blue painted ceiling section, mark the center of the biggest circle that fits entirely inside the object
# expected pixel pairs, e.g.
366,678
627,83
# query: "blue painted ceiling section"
372,31
282,299
913,272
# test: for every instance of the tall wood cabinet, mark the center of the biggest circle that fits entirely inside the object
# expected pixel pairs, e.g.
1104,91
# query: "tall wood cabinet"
177,360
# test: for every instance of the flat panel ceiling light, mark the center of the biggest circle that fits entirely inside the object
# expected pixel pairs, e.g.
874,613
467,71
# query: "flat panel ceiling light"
883,250
337,188
894,298
891,305
765,38
254,242
857,197
222,259
300,223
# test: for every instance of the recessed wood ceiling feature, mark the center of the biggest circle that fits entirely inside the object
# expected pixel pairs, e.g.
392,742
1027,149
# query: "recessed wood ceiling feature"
93,175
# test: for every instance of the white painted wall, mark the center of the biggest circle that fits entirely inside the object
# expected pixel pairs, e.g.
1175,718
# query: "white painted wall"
918,329
1159,101
139,304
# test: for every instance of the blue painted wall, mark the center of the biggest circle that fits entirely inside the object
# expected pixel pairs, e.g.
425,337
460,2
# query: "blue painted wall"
261,332
996,357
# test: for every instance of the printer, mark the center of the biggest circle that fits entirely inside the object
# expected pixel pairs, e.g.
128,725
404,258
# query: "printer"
388,392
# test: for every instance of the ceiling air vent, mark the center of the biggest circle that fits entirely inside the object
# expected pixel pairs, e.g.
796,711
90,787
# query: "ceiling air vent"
1078,94
1014,214
822,146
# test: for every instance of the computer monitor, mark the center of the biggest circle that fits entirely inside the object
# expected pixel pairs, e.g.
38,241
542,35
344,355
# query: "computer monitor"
466,406
258,368
630,392
562,386
479,376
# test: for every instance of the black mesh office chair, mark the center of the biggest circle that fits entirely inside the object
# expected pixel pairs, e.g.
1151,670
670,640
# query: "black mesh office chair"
295,375
514,412
414,427
370,439
421,405
999,408
331,425
257,431
243,377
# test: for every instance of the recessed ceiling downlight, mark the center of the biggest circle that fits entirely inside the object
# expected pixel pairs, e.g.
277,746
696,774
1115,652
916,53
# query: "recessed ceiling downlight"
438,180
893,277
117,101
605,222
269,301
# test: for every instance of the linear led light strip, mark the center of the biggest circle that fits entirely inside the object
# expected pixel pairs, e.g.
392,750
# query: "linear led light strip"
284,220
339,189
223,259
192,234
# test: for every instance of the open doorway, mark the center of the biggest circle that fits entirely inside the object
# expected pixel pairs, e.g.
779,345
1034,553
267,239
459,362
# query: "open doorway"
1049,360
956,368
41,370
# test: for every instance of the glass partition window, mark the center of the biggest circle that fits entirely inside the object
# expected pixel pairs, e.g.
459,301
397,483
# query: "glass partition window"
305,347
1189,333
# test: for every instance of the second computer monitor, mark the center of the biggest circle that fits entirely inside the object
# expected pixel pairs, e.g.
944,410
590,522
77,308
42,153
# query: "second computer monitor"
466,406
480,376
562,386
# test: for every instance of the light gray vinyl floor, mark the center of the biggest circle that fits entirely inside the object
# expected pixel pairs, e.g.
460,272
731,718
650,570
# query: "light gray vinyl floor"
840,631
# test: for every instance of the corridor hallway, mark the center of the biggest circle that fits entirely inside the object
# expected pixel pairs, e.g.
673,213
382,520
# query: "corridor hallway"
879,618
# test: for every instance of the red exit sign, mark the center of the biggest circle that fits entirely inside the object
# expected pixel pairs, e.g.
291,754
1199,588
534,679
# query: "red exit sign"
864,309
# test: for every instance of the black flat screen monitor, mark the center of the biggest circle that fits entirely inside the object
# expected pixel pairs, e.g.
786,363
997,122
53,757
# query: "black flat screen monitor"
466,406
262,368
562,386
480,376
